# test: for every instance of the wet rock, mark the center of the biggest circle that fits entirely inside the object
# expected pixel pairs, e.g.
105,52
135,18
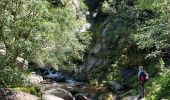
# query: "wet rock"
107,96
81,96
132,98
55,76
99,62
124,87
25,96
114,85
60,93
7,94
51,97
104,32
35,79
85,27
73,90
97,48
34,66
91,62
80,84
22,63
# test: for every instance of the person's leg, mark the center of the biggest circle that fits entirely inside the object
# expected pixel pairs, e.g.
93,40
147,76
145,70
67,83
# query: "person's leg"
142,89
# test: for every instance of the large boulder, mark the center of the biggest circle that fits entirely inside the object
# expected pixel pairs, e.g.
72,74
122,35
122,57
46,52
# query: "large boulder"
51,97
81,96
60,93
7,94
22,63
25,96
35,79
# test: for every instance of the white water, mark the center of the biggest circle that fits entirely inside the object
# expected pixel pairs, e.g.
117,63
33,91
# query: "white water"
85,27
97,48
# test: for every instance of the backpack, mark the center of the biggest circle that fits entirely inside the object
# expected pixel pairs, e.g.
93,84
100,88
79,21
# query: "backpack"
143,77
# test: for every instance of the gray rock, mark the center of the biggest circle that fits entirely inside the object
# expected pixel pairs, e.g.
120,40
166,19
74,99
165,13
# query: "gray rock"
35,79
132,98
2,52
22,63
81,96
97,48
85,27
107,96
7,94
91,62
51,97
60,93
114,85
99,62
25,96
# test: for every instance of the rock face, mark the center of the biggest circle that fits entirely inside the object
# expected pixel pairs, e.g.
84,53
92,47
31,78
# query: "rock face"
99,55
25,96
35,79
51,97
58,92
22,63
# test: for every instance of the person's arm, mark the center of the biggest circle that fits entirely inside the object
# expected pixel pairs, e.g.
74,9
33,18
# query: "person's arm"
146,73
138,76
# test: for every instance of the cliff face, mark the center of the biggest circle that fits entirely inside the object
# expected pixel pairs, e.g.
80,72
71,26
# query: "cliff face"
125,39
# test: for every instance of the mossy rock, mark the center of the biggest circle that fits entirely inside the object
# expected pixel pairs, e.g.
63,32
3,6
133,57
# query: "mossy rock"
30,89
107,96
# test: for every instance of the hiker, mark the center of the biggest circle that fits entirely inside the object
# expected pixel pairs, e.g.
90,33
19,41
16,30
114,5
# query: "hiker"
142,77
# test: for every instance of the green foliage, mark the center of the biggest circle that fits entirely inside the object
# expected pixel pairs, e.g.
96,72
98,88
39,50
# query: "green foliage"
62,44
29,89
11,77
159,87
108,7
37,30
19,21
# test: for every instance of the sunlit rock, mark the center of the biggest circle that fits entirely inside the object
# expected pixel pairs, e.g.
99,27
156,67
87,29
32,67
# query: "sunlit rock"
22,63
60,93
85,27
51,97
35,79
25,96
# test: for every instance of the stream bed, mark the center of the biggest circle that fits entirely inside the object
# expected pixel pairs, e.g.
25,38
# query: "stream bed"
79,90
